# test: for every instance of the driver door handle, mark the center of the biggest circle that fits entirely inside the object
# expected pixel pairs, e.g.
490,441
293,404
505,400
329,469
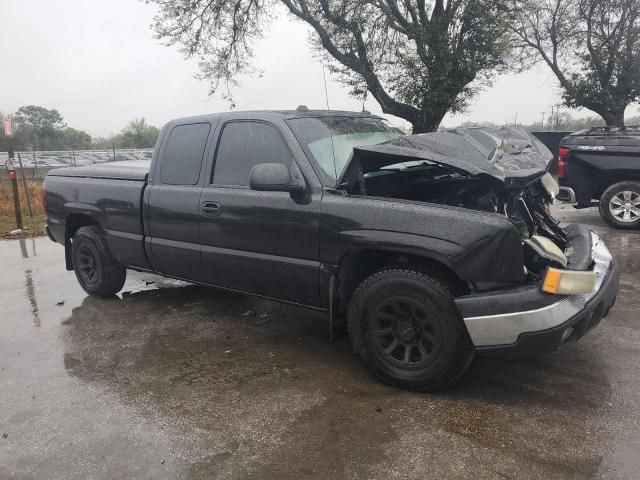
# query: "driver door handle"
210,209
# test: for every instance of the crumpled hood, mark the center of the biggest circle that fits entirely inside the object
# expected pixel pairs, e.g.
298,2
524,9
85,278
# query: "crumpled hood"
509,154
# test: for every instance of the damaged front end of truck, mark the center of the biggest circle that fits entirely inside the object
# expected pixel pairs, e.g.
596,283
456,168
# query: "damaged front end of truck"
569,278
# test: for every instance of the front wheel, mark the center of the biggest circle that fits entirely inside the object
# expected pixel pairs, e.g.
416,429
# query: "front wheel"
98,273
407,331
620,205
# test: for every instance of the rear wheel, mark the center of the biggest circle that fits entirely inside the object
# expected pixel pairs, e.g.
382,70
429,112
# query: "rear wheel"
407,331
98,273
620,205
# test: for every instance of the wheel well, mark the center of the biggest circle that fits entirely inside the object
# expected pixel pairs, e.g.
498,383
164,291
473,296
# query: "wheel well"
74,222
356,266
612,179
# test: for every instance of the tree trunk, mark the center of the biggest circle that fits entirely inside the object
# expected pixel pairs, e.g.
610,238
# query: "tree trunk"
614,117
428,122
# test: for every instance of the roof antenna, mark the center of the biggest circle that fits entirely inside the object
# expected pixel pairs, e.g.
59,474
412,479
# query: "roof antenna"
333,148
326,92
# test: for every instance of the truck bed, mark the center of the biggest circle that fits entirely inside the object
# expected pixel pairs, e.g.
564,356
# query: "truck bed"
109,194
137,170
599,158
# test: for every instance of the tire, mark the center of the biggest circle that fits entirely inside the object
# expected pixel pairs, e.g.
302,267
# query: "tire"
620,205
98,273
432,347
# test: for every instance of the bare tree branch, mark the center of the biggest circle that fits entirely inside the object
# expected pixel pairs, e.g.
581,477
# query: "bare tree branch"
417,59
591,46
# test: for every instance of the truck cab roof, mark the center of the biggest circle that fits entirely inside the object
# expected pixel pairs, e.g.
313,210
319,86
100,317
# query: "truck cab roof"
300,112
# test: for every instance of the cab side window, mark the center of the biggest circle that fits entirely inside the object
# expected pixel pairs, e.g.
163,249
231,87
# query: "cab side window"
246,144
183,154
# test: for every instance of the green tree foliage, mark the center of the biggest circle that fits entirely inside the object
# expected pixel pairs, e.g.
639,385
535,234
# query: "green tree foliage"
591,46
76,139
40,118
22,135
40,128
43,129
137,134
418,59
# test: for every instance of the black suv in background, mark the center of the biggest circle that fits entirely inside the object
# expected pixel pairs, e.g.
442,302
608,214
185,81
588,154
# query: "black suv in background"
603,164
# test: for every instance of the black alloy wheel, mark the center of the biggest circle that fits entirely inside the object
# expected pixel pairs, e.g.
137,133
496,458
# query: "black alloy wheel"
97,271
406,329
405,333
87,264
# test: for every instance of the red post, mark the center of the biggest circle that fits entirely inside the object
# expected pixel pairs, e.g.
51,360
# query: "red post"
11,171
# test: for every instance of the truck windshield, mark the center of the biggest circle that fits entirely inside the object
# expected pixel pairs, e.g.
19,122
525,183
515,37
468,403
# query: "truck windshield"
330,140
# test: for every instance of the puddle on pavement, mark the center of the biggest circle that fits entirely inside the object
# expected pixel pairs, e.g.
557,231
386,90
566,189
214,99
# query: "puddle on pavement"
251,385
258,379
245,388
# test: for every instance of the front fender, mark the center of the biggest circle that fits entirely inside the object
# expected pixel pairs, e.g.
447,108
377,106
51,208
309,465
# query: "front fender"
477,246
407,243
497,257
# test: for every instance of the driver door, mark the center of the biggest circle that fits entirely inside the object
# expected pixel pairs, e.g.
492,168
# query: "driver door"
265,243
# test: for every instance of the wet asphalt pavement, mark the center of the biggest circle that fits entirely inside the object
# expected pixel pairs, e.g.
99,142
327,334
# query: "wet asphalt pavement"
177,381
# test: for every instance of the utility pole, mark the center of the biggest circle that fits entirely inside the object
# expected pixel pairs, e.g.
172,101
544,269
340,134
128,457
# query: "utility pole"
11,170
542,122
552,107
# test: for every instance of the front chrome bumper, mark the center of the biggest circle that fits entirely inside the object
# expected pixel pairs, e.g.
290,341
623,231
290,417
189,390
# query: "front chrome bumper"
505,330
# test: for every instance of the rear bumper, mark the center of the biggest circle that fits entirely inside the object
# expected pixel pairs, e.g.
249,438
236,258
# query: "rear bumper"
55,230
559,321
49,234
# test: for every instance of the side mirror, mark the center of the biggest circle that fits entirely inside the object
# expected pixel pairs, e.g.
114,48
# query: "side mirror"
274,177
566,195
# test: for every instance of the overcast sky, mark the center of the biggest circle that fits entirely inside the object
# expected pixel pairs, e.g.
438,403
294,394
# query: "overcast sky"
96,62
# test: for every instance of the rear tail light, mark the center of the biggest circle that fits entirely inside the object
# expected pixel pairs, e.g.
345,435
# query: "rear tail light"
563,155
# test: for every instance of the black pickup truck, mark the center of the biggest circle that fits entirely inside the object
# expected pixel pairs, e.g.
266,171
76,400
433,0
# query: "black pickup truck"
430,247
602,166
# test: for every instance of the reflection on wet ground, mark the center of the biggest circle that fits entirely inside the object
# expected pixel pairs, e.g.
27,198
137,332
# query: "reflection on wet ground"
171,380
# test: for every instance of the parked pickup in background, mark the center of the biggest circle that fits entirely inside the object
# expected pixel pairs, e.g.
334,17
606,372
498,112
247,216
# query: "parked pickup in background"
602,166
433,247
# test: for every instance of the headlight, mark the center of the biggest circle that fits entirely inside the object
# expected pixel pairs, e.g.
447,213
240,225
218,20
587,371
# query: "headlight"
567,282
550,185
540,252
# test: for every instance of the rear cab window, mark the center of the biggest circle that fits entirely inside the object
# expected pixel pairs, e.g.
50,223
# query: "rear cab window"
183,154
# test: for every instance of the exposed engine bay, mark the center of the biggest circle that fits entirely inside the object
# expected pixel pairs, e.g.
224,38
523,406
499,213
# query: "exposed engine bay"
526,207
502,172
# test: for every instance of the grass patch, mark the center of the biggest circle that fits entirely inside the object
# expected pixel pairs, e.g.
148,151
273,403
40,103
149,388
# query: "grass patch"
32,226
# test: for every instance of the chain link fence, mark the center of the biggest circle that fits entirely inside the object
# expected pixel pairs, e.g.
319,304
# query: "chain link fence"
36,164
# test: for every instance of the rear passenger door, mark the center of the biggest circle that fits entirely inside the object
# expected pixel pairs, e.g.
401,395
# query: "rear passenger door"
173,199
260,242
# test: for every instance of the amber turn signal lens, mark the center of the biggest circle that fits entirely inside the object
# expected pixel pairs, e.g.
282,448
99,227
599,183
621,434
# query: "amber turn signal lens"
568,282
551,280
